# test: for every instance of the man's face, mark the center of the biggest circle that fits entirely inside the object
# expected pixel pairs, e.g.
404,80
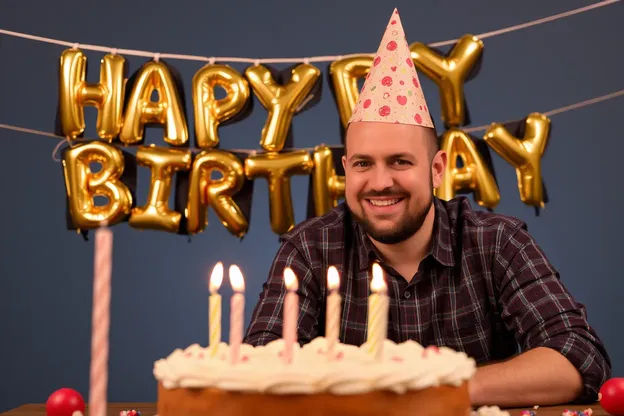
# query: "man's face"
390,174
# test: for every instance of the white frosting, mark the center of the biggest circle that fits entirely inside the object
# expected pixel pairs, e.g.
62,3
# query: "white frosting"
489,411
405,366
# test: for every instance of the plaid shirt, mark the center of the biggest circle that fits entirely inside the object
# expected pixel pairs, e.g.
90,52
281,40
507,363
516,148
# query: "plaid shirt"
485,288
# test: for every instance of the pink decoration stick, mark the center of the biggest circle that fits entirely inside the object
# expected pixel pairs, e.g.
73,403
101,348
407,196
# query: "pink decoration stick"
291,312
98,382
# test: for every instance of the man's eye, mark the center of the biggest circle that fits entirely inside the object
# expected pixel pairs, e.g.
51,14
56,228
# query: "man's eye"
402,162
361,163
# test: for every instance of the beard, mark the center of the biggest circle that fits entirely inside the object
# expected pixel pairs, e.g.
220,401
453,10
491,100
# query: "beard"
406,225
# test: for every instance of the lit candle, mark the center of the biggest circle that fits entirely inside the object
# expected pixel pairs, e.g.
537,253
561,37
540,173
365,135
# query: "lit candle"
214,309
332,320
237,313
103,263
378,304
291,313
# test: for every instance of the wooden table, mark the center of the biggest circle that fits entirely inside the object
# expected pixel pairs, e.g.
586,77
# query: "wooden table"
149,409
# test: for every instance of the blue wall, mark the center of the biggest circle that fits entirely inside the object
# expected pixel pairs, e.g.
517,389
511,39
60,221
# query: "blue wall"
159,291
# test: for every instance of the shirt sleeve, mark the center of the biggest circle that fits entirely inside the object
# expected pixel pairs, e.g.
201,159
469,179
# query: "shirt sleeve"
267,318
542,313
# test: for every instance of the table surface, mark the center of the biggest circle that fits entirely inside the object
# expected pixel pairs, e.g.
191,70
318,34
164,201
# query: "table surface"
149,409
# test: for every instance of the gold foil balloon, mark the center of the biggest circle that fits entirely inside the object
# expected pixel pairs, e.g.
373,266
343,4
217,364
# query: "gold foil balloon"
524,154
449,73
82,185
211,112
75,93
327,187
277,168
474,175
281,101
345,74
217,193
163,164
167,111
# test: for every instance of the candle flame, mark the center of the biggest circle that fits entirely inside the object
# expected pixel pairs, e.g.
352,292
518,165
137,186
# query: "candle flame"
333,279
290,279
378,284
236,279
216,278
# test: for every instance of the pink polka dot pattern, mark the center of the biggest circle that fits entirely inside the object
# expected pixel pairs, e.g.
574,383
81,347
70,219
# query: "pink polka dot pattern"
392,91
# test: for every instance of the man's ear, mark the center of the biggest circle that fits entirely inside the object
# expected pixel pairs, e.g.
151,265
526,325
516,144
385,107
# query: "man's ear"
344,162
438,167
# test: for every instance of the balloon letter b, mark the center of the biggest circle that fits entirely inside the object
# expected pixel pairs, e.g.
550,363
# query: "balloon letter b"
281,101
210,112
75,94
277,169
163,163
217,193
473,175
167,111
83,186
524,154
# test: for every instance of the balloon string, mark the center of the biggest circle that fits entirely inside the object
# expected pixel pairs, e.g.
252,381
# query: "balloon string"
559,110
328,58
556,111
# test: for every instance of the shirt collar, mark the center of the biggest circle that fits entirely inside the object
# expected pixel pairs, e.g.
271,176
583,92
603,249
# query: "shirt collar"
441,248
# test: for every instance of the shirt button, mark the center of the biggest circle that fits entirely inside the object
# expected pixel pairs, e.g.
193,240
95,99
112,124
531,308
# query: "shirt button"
407,294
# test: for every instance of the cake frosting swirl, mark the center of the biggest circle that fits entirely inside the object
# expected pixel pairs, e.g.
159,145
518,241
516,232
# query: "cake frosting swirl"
405,366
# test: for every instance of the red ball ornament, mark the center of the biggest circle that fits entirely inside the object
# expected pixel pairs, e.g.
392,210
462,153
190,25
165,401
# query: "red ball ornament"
611,396
64,402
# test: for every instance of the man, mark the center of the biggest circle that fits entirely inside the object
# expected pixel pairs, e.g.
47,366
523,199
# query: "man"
469,280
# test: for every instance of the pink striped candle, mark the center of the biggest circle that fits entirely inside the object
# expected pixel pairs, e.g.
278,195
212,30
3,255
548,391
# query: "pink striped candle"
291,314
237,313
214,309
332,319
100,324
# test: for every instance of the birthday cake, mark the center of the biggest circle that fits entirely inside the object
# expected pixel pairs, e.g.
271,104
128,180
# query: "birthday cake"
408,379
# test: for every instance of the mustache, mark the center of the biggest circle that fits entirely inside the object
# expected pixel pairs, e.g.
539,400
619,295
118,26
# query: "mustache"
386,192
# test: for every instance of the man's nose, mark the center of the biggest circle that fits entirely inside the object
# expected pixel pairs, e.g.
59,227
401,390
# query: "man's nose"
380,179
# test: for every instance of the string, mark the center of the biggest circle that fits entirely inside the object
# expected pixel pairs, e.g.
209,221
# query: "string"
560,110
257,61
65,140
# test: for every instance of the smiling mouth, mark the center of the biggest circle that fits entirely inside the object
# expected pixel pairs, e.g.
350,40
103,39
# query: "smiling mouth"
384,202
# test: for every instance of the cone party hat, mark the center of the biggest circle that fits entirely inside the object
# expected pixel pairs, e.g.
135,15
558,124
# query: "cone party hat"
392,92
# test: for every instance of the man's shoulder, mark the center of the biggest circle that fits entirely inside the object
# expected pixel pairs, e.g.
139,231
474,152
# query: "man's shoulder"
465,220
315,228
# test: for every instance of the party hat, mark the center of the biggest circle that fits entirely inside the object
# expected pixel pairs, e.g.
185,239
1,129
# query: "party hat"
392,92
